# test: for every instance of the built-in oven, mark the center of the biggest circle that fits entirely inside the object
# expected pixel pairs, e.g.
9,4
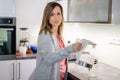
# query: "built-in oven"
7,35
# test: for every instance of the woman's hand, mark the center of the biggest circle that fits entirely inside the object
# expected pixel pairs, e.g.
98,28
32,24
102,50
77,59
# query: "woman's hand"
82,44
76,46
86,42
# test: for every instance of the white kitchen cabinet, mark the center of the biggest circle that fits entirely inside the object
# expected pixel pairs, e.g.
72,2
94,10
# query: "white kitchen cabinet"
115,11
16,69
93,11
7,8
8,70
25,68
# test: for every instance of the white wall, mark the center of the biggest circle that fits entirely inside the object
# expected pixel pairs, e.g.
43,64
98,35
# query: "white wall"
102,34
29,14
7,8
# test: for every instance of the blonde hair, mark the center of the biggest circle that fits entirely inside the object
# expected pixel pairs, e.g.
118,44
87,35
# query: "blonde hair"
46,26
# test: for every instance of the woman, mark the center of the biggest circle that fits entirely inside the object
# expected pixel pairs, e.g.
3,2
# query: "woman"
52,53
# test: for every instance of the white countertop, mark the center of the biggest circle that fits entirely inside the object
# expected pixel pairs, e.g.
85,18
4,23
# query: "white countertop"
104,72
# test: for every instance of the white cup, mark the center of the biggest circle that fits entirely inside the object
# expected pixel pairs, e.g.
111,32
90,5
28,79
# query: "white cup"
23,49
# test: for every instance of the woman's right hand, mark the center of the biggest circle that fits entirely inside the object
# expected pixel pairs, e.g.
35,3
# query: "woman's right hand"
76,46
82,44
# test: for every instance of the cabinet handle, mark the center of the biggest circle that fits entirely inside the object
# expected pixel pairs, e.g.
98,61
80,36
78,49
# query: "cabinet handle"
19,70
13,71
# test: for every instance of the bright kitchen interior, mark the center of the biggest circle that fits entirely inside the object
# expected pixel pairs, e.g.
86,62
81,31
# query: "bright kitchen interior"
28,14
102,34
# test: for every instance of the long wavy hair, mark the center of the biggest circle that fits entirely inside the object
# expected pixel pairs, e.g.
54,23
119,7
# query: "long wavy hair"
46,26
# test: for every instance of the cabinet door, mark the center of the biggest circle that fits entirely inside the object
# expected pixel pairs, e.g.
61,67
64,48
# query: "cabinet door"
7,8
7,70
97,11
25,68
115,11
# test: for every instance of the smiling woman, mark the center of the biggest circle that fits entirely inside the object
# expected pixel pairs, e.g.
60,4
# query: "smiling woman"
52,53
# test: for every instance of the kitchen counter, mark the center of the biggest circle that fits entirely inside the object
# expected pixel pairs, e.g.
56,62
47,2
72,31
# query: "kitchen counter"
14,57
105,72
7,57
28,56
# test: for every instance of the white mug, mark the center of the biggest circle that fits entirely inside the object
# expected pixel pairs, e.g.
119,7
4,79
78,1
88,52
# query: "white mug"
23,49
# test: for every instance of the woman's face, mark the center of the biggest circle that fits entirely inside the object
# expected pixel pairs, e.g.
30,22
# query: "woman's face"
55,17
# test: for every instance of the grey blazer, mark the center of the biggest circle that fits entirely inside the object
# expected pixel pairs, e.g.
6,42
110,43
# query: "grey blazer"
48,57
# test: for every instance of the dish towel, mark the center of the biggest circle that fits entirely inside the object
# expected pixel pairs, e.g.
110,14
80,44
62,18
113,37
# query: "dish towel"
3,36
85,43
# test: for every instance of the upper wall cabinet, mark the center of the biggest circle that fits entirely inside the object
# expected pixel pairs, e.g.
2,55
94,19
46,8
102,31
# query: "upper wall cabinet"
115,11
93,11
7,8
87,11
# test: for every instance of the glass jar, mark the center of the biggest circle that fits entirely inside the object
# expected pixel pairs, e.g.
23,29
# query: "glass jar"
24,34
